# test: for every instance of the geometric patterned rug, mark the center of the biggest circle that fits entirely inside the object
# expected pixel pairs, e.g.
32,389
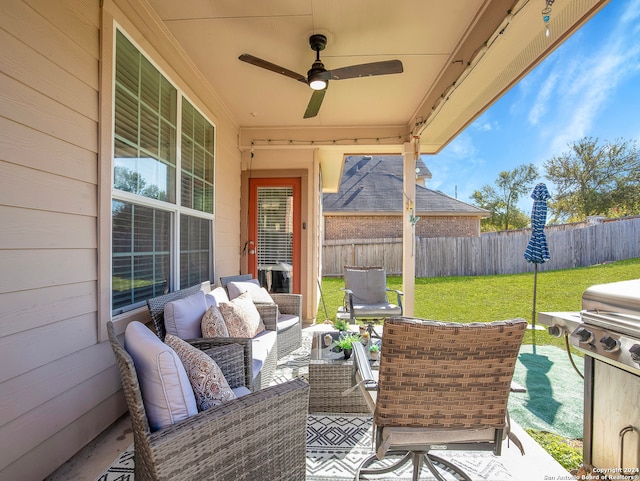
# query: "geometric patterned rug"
338,443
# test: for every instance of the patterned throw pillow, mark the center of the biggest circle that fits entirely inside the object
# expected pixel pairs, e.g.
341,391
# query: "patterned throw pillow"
241,317
213,324
207,380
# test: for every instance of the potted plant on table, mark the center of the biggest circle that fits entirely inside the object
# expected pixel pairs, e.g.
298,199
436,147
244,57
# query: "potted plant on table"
374,352
345,343
341,325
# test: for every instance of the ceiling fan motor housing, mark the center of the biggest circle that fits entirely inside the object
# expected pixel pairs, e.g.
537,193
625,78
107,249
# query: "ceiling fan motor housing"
318,42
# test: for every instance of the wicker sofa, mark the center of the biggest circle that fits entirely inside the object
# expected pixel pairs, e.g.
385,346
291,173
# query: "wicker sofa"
289,315
260,359
234,440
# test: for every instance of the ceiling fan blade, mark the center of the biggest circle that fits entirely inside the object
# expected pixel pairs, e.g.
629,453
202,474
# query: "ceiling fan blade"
258,62
367,70
314,103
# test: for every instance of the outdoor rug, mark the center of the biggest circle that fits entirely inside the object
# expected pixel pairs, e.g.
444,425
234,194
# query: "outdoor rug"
337,444
553,400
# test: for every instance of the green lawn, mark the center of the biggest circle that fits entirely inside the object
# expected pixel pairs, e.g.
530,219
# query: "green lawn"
489,298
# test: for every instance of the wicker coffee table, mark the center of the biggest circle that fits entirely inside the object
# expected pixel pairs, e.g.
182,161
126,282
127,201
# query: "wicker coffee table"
329,376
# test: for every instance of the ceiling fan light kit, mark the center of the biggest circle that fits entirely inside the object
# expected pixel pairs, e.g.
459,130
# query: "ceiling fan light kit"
317,84
318,76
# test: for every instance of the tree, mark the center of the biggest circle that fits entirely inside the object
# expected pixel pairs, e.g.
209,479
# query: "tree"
501,201
131,181
595,179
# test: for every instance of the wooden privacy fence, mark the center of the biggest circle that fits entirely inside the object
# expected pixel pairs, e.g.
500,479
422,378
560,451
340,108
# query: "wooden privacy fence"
570,245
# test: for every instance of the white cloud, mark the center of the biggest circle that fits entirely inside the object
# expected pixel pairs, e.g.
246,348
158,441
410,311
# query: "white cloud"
457,167
485,126
541,104
461,148
587,82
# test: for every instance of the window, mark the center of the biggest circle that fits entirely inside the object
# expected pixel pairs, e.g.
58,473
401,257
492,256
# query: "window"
163,185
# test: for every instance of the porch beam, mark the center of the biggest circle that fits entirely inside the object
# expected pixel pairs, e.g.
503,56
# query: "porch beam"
410,153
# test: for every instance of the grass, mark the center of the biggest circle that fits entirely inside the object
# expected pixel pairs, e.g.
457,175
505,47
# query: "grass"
497,297
567,452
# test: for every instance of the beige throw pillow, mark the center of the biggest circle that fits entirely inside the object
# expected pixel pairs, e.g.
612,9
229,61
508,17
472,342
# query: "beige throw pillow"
207,380
213,324
241,317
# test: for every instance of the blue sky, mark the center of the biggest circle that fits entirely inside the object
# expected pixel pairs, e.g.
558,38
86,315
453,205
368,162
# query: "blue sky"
588,87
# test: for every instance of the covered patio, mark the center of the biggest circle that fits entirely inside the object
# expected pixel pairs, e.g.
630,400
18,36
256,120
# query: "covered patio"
133,136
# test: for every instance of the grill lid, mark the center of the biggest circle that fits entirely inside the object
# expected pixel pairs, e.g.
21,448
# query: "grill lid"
614,306
622,297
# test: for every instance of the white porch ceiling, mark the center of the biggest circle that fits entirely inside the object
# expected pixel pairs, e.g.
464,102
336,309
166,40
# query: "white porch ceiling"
448,78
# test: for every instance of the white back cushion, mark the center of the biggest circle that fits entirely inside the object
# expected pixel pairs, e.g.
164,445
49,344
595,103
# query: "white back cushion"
166,391
257,293
217,296
236,288
182,318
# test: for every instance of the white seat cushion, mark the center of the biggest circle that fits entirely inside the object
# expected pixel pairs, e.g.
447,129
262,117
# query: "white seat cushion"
376,310
183,317
406,438
241,391
166,391
285,321
261,346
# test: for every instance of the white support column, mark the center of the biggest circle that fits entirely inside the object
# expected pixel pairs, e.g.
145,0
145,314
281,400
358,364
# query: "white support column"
410,153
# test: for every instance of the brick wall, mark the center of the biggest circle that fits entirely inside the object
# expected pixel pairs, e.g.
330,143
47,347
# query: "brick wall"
387,226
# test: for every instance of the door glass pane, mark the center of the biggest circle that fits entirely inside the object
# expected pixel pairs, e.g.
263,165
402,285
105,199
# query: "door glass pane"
275,238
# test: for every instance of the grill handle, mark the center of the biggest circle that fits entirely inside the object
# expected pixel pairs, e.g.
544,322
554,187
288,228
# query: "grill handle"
623,432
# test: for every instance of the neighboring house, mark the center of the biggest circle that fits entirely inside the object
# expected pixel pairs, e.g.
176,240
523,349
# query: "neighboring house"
368,204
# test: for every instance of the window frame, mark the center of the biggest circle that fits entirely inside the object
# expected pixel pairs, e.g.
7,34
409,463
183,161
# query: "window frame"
176,210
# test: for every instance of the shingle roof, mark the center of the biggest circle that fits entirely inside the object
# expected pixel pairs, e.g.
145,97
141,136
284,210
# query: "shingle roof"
374,184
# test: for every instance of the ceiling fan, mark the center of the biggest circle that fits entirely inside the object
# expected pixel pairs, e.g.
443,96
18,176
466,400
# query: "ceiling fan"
318,77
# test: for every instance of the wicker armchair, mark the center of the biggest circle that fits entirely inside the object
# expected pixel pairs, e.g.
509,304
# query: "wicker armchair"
439,384
259,436
267,312
289,305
